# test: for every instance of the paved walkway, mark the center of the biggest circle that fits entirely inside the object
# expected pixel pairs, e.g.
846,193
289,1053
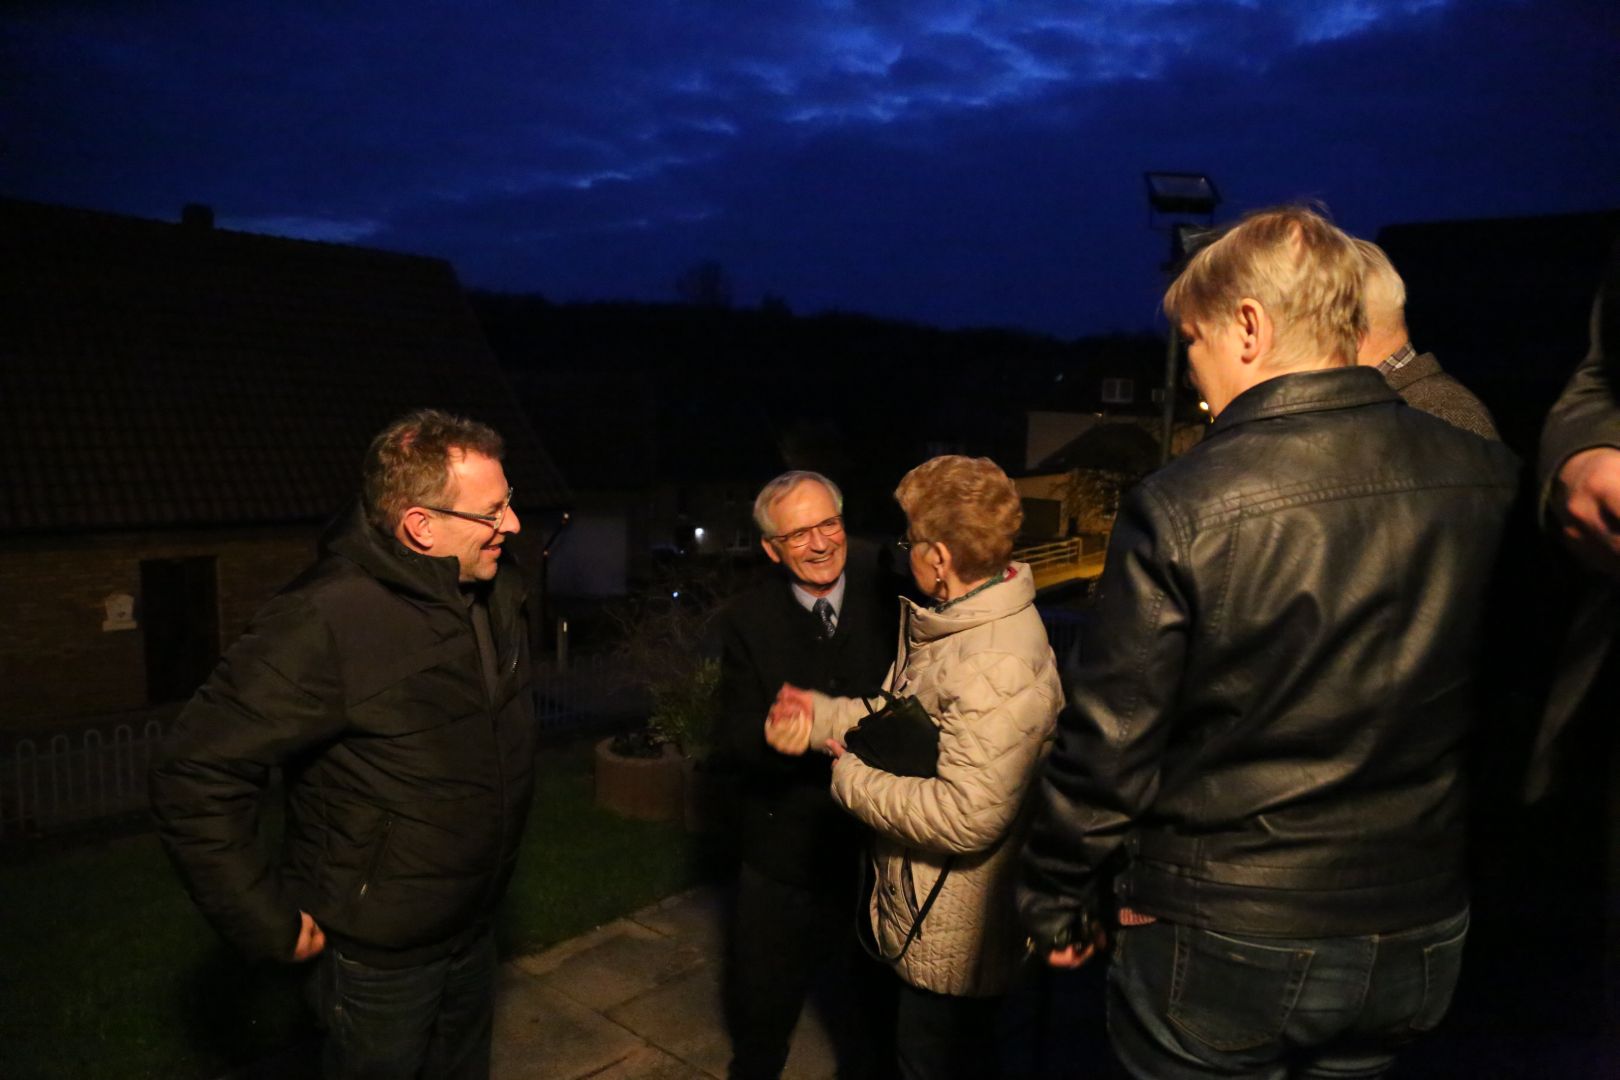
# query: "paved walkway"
637,999
640,998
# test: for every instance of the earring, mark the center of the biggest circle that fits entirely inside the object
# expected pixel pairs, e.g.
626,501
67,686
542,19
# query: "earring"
939,580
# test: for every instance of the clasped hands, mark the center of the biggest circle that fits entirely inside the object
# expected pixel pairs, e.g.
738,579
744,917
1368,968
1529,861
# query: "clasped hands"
787,725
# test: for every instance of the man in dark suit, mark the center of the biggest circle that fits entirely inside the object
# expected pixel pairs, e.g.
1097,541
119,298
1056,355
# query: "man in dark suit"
826,624
1387,346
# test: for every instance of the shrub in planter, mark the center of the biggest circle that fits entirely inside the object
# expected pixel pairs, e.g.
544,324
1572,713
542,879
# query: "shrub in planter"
686,707
662,649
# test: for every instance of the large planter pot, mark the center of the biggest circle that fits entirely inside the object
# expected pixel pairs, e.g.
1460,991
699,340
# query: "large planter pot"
647,789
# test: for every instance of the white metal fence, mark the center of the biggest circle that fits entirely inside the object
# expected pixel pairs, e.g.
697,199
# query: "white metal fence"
59,781
54,783
1054,553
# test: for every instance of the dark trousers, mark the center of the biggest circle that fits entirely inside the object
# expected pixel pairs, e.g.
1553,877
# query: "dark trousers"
1186,1003
785,942
940,1037
431,1021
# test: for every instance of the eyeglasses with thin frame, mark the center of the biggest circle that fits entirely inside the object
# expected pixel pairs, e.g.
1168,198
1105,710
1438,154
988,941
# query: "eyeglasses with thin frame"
798,538
494,520
906,543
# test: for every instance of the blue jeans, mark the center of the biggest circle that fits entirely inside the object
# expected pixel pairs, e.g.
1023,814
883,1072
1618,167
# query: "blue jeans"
1186,1003
431,1021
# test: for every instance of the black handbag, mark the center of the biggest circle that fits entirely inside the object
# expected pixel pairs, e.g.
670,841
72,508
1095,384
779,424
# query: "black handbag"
899,738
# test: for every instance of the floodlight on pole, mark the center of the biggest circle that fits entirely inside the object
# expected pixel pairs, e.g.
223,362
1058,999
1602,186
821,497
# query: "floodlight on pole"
1182,193
1179,195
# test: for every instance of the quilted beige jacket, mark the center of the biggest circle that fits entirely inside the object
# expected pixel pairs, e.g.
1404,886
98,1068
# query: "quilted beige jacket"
984,671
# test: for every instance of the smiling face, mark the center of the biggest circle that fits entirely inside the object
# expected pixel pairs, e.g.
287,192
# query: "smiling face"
818,562
480,487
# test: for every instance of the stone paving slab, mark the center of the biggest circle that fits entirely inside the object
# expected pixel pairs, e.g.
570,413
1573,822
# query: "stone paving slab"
682,1017
543,1035
541,963
697,917
622,966
651,1063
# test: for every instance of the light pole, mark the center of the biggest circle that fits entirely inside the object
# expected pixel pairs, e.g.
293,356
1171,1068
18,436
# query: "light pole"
1173,197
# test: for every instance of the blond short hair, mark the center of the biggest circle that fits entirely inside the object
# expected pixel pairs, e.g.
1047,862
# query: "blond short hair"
1383,293
1303,270
969,505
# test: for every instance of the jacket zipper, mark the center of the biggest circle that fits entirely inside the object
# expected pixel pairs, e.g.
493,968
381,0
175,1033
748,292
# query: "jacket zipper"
501,814
377,856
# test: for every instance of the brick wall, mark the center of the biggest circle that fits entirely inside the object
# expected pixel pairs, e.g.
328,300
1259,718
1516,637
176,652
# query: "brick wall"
58,667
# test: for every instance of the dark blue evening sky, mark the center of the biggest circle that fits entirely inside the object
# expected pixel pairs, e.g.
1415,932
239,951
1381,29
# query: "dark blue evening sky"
952,162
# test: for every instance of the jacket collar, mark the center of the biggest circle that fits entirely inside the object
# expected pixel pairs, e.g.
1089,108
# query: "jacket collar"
1011,595
392,563
1305,392
1420,366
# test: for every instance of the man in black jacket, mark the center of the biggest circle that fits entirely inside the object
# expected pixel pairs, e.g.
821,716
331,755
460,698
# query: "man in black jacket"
1574,769
1579,494
824,623
390,682
1261,758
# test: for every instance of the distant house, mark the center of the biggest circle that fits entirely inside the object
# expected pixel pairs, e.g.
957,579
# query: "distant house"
1077,464
182,408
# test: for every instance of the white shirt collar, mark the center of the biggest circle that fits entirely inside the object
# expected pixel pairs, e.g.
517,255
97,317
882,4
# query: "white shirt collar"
808,600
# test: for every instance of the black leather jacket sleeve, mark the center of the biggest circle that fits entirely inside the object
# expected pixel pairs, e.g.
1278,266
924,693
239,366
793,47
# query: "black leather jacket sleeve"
1122,687
1587,413
276,693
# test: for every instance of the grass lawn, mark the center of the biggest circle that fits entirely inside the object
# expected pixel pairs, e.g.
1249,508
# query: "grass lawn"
107,971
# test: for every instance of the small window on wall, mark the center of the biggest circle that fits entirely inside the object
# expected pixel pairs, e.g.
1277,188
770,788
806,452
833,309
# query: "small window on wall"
179,616
1118,391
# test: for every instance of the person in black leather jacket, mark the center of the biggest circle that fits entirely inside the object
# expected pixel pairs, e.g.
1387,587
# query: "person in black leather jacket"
1579,496
391,684
1257,792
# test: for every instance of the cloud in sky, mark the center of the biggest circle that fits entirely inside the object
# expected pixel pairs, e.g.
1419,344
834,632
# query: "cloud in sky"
955,161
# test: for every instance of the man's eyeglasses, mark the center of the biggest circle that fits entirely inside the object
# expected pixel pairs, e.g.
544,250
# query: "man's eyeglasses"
492,520
798,538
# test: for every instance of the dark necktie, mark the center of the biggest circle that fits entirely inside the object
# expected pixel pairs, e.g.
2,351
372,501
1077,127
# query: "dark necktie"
824,611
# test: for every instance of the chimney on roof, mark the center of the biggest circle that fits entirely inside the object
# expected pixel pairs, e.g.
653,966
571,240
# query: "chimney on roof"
197,216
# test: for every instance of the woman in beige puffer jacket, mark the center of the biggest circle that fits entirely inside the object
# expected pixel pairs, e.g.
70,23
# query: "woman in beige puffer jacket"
978,661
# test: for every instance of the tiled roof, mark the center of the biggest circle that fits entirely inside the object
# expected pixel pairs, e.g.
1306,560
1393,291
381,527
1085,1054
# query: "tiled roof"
1119,446
155,374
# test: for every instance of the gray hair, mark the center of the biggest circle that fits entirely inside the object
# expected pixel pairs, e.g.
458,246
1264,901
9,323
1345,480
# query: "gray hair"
1382,290
776,489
